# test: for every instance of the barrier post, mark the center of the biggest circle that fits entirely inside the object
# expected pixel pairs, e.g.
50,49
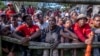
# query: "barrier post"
0,47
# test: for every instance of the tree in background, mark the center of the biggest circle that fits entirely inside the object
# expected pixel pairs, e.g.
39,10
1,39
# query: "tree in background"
2,6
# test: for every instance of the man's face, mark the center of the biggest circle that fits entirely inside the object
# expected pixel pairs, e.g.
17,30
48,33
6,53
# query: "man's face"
29,20
10,7
52,22
97,21
82,22
14,21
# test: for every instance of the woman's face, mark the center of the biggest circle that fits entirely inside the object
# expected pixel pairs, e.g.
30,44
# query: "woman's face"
68,24
74,16
60,21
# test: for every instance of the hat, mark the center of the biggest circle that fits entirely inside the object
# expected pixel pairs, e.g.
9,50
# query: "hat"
9,4
80,16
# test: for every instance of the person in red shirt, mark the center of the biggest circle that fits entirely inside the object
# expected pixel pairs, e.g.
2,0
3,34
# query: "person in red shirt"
82,29
84,33
10,11
30,10
28,31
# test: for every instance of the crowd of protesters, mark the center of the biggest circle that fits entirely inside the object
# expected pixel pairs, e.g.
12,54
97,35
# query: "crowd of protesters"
55,27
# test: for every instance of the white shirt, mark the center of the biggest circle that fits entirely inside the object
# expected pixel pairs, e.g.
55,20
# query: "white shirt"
63,14
12,27
66,14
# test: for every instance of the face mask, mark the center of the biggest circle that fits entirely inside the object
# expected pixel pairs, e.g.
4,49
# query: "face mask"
19,22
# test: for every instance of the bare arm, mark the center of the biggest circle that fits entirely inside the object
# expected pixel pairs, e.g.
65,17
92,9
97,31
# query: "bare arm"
14,34
72,34
55,45
65,35
36,34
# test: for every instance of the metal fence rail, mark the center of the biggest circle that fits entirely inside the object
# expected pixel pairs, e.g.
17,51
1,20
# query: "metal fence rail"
41,45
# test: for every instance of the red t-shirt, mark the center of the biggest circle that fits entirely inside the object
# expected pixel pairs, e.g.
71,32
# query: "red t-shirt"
27,31
82,32
30,11
9,13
